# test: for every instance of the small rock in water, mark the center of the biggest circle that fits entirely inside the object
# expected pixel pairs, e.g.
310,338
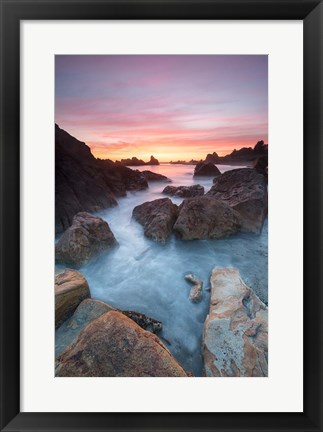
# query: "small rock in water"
196,291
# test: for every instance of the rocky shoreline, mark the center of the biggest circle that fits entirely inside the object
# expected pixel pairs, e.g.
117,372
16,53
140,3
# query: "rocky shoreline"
94,338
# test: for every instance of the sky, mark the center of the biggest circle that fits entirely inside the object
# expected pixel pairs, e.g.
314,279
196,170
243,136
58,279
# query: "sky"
170,106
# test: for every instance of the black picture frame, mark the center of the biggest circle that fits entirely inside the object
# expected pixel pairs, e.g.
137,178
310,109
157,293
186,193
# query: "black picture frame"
12,12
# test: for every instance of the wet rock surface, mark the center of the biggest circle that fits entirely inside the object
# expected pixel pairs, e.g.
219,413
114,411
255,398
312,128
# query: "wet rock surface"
157,217
87,311
235,337
206,169
84,183
152,177
71,288
114,345
206,218
196,291
88,236
244,190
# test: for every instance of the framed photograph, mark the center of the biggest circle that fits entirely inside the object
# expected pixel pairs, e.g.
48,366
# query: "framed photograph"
161,208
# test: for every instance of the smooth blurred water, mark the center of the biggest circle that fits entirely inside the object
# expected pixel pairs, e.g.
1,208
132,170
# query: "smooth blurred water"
147,277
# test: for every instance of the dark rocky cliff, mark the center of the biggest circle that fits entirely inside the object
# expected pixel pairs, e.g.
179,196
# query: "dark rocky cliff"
84,183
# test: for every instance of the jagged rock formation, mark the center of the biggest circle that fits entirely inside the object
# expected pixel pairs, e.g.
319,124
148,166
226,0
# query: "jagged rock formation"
85,238
245,154
244,190
114,345
84,183
157,217
235,337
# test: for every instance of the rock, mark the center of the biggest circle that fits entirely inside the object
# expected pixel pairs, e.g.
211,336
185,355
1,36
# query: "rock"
144,321
184,191
138,162
206,218
206,169
244,190
87,311
132,162
114,345
87,236
153,161
157,217
196,291
261,165
84,183
212,158
71,288
152,177
235,337
245,154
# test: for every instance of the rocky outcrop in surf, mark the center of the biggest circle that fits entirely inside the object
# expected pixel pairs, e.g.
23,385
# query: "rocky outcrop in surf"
206,218
85,238
157,217
154,177
206,169
84,183
235,337
244,190
138,162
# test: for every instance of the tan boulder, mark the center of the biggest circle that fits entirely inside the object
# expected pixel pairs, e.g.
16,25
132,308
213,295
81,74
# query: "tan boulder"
87,311
235,336
71,288
87,236
114,345
206,218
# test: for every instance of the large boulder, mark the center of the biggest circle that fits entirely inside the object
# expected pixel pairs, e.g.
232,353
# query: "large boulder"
235,337
206,169
154,177
114,345
157,217
184,191
87,311
71,288
206,218
87,236
245,190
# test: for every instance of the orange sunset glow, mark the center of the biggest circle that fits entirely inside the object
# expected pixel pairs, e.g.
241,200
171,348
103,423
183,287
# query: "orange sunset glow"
175,107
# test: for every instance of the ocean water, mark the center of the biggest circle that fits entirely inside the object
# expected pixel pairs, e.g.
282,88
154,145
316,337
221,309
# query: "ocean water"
147,277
